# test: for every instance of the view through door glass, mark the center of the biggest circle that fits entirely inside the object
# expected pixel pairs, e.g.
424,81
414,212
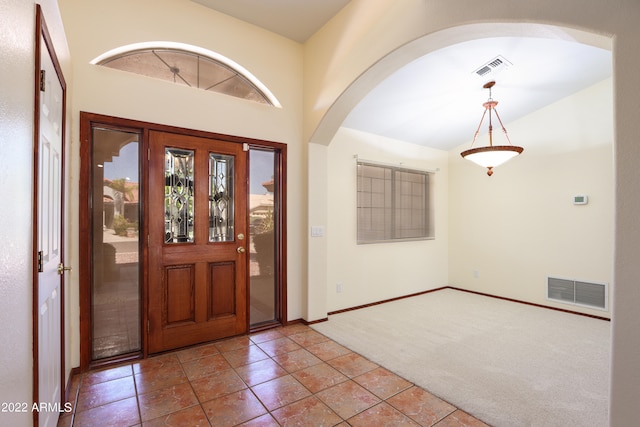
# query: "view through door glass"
115,291
262,215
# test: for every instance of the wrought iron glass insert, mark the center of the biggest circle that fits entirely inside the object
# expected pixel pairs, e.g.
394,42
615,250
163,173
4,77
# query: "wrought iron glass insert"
178,195
221,198
187,68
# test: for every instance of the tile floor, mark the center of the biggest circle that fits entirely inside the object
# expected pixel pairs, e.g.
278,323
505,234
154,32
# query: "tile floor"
291,376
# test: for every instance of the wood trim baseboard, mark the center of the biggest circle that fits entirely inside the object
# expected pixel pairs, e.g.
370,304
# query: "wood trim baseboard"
371,304
358,307
67,391
593,316
313,322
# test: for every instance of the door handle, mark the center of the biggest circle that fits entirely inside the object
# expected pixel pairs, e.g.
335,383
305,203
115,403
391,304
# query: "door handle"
241,250
62,269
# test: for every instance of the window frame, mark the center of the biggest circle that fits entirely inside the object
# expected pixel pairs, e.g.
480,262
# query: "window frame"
394,203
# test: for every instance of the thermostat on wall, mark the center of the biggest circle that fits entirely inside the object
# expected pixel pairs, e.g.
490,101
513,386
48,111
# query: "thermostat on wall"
580,200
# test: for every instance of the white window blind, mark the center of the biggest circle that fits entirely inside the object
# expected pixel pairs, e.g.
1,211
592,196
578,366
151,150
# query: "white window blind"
393,203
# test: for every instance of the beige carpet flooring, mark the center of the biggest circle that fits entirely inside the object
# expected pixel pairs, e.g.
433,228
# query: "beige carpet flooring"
506,363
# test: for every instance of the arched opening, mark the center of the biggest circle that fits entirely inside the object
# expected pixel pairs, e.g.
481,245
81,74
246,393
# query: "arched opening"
384,68
528,202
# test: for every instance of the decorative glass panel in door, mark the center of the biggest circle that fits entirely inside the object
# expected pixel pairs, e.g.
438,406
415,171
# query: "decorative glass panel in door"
221,203
178,195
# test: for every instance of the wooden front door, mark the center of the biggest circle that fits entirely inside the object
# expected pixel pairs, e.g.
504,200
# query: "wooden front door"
198,246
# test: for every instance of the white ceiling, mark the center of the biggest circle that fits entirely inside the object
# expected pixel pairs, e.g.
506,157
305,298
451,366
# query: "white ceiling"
437,99
294,19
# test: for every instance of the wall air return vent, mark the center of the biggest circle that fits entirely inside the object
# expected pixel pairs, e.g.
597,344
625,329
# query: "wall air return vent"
576,292
493,67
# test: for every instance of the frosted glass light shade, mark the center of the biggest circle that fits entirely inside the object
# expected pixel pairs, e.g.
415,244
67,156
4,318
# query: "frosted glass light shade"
491,156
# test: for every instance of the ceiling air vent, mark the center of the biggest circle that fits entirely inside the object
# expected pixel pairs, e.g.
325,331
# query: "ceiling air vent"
496,65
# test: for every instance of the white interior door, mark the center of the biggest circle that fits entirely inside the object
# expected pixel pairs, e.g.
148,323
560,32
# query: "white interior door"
49,239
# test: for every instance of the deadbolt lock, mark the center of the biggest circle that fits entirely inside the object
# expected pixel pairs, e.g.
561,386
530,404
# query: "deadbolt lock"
240,236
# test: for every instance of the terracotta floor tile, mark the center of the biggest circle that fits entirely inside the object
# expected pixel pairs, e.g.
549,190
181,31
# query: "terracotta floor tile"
308,338
151,380
422,406
328,350
280,392
96,377
245,356
278,346
296,360
166,361
460,419
306,412
280,377
205,366
263,421
234,408
318,377
260,372
121,413
233,343
382,383
217,384
166,401
348,398
381,415
102,393
197,352
265,336
352,364
296,328
192,417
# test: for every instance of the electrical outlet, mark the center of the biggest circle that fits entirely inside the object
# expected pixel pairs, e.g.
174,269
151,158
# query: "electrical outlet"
338,287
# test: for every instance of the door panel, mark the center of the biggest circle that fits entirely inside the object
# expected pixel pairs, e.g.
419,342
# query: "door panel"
179,294
222,295
197,249
49,290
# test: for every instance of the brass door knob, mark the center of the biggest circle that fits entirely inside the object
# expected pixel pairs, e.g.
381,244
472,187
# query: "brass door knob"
241,250
62,269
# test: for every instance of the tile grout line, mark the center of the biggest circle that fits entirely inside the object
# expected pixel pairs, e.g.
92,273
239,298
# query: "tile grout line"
271,357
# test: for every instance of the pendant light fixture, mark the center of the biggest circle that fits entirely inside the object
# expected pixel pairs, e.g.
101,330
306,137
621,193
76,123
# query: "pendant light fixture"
491,155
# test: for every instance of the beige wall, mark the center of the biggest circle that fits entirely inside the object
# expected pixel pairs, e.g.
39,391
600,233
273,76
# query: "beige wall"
375,272
316,294
367,41
274,60
16,121
519,226
350,56
17,59
512,229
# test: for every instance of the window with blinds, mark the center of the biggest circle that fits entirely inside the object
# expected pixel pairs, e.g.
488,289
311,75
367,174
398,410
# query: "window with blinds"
393,204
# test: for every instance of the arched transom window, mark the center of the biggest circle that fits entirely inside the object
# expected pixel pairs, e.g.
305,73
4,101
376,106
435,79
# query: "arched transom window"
190,66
